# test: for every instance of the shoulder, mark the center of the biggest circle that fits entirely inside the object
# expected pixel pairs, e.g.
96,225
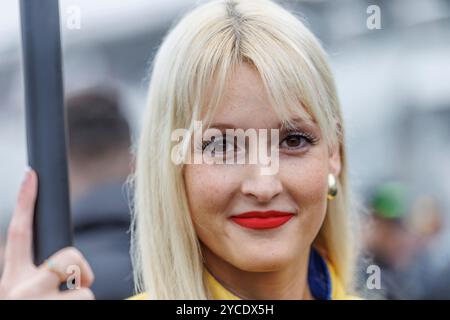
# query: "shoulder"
139,296
338,290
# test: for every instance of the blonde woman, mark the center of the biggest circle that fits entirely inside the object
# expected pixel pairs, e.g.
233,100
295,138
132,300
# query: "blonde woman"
211,230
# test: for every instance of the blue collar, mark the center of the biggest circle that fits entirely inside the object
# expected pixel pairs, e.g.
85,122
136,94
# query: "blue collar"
319,279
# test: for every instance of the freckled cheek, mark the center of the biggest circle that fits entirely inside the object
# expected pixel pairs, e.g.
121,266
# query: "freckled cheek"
305,180
209,189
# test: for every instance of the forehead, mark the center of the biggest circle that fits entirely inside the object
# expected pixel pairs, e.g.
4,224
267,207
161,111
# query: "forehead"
246,102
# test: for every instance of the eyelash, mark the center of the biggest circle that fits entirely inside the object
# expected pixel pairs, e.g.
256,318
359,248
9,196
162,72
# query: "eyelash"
310,138
208,142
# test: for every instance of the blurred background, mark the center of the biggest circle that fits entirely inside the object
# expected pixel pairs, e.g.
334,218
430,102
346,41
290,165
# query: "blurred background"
394,86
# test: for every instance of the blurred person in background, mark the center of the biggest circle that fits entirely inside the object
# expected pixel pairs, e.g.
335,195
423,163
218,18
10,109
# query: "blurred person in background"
426,218
99,163
397,238
432,265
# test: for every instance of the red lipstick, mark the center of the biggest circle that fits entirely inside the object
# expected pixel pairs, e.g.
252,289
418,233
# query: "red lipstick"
262,219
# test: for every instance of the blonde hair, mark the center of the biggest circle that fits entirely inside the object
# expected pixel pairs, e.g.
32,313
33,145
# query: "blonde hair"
189,76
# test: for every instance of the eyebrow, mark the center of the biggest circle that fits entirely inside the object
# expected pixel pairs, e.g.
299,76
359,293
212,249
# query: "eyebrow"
221,126
281,126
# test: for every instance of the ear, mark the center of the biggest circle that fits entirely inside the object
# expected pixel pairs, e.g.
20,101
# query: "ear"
334,159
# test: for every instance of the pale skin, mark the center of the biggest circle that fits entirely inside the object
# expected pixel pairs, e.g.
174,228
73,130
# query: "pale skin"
21,278
270,263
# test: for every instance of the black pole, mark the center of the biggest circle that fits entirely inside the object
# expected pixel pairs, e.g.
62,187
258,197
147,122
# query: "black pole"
46,124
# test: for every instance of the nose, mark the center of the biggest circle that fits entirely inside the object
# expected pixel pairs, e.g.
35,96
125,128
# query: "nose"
262,188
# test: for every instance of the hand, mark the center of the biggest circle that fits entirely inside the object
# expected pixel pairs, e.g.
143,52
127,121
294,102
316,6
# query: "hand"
21,278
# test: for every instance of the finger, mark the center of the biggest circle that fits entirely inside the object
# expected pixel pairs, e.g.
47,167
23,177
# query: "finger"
19,245
67,262
76,294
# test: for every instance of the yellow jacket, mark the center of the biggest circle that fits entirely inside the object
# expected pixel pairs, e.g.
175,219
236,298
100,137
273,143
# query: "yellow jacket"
322,279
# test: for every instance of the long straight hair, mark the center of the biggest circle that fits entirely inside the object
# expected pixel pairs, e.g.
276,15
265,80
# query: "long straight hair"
188,80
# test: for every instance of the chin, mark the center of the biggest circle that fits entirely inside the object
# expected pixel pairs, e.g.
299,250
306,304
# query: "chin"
264,260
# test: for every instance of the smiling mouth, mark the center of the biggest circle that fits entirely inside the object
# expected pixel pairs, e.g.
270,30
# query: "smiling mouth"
262,219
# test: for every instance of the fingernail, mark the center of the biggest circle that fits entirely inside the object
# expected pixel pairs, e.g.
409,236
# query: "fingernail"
26,172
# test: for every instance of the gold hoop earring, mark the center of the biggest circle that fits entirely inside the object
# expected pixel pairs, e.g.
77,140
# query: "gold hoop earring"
332,187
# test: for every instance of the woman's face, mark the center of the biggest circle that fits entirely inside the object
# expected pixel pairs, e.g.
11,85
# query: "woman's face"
219,193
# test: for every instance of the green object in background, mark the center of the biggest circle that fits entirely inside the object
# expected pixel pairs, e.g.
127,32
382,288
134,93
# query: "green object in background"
390,201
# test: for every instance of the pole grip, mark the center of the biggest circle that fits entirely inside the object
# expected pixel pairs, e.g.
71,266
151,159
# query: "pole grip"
46,124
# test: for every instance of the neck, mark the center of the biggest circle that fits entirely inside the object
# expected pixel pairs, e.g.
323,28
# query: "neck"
290,282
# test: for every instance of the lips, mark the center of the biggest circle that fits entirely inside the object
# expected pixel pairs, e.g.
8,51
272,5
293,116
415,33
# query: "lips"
262,219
